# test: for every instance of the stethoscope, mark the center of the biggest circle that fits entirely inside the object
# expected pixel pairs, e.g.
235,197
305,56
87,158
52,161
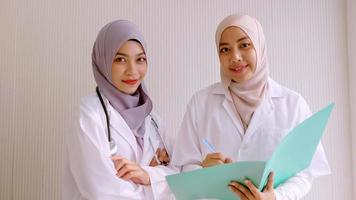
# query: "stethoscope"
112,143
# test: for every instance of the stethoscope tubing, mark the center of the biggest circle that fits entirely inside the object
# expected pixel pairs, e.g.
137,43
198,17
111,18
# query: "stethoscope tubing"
113,146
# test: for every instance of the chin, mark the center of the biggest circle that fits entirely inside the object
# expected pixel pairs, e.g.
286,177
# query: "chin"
240,80
127,91
131,92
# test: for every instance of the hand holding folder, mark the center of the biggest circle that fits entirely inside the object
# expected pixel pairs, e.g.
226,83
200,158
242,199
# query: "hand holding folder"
287,160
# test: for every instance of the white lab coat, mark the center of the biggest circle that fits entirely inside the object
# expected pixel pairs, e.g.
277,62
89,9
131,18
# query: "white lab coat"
210,115
89,171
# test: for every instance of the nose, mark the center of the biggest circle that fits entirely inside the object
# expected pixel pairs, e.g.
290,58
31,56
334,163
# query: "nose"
236,56
131,68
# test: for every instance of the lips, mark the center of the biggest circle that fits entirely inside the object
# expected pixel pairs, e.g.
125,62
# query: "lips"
238,68
130,82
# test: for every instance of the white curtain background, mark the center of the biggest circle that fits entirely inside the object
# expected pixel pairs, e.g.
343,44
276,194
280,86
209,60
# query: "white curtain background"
45,65
351,35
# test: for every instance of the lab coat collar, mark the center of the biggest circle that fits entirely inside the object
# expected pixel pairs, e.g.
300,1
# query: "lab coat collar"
261,113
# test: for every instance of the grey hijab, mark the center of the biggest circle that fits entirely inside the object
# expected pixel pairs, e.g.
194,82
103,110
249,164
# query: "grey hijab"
133,108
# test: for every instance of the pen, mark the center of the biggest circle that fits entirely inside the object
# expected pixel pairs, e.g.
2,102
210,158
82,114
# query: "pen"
210,147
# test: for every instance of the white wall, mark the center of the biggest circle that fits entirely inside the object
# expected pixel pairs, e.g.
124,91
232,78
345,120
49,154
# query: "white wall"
351,33
46,67
7,66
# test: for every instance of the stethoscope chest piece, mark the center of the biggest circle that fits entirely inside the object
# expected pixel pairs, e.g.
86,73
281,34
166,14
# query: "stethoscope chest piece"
113,147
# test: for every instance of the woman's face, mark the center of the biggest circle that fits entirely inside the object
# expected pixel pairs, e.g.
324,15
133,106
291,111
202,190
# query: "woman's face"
237,55
129,67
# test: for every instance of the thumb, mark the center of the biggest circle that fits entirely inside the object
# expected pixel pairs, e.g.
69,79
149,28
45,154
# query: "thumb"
270,181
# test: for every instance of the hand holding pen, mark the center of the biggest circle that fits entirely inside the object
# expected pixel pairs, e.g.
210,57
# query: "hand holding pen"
213,158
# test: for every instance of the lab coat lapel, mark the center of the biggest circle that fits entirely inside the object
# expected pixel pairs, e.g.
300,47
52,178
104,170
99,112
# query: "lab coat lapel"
260,115
233,116
154,138
120,125
151,142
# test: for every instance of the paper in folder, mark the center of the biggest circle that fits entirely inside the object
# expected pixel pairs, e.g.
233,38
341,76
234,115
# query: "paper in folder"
291,156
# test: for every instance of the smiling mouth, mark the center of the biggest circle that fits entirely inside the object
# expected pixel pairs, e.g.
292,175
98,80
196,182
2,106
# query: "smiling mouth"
238,68
130,82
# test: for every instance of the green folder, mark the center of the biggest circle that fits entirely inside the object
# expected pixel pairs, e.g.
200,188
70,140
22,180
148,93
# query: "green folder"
291,156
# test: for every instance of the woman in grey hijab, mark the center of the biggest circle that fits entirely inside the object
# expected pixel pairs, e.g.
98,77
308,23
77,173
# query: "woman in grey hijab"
116,147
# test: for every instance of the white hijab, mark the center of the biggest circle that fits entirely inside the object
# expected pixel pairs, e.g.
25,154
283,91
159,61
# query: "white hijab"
248,95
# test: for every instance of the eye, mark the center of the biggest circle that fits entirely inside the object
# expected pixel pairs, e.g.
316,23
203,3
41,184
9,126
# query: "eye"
245,45
141,59
120,60
224,50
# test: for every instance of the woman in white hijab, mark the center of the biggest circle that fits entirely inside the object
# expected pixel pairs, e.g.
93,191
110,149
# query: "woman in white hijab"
244,116
116,148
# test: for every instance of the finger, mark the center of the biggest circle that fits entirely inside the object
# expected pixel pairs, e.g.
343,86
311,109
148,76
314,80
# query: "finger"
164,154
119,163
137,176
243,190
122,171
156,156
126,169
114,158
217,161
270,181
130,175
213,159
211,162
255,192
218,156
164,151
164,157
234,189
160,155
153,162
118,158
157,159
165,160
228,160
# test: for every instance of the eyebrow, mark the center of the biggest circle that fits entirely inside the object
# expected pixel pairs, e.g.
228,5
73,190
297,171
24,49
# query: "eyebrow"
224,43
126,55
